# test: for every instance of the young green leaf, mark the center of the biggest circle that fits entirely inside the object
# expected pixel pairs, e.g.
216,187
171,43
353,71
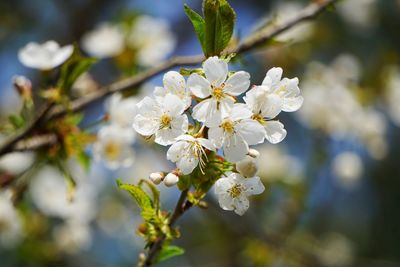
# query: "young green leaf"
198,24
168,252
219,20
141,198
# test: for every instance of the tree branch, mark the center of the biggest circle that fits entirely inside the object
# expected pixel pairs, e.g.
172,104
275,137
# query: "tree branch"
181,207
253,41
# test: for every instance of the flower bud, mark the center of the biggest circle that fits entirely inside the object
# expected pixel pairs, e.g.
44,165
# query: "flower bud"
171,179
156,177
247,167
23,86
253,153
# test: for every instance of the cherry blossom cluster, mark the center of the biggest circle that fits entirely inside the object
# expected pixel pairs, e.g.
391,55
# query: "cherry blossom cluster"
205,114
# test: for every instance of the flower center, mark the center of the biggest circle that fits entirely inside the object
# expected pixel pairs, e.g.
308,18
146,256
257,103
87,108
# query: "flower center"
218,93
235,190
112,150
228,126
259,118
165,121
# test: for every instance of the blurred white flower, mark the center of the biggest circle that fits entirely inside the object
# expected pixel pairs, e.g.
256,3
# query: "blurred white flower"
284,12
162,117
122,111
16,162
106,40
336,250
220,87
236,132
152,39
359,13
114,146
276,165
332,107
44,56
189,152
175,84
72,237
11,230
348,168
49,193
233,191
392,97
84,85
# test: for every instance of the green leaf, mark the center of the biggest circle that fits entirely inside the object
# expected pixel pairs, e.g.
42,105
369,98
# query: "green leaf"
168,252
219,20
17,121
83,159
141,198
73,68
154,191
198,24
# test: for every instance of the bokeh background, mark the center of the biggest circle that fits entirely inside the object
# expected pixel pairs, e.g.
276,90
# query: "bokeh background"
333,185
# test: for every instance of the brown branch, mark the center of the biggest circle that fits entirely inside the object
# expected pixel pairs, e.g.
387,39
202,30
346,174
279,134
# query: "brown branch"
181,207
255,40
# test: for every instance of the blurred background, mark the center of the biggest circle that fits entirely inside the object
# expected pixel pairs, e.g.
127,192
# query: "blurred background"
332,186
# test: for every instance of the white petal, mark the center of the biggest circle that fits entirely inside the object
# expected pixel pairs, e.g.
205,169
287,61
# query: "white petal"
240,112
206,143
226,202
159,92
251,131
173,105
275,74
187,164
238,83
253,186
199,86
216,136
180,123
222,185
272,106
291,104
62,55
241,205
174,153
174,82
235,148
206,111
275,131
225,106
216,70
167,136
149,107
145,125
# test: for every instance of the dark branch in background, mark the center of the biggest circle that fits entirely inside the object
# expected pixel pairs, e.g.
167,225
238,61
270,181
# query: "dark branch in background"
255,40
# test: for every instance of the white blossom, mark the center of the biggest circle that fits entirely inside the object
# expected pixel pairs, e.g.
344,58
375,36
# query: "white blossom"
188,152
122,111
233,191
152,39
44,56
16,162
72,237
171,179
11,230
348,168
217,89
113,146
163,118
106,40
236,132
392,96
175,84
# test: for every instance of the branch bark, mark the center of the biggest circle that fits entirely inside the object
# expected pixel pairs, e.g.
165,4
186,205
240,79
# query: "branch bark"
253,41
